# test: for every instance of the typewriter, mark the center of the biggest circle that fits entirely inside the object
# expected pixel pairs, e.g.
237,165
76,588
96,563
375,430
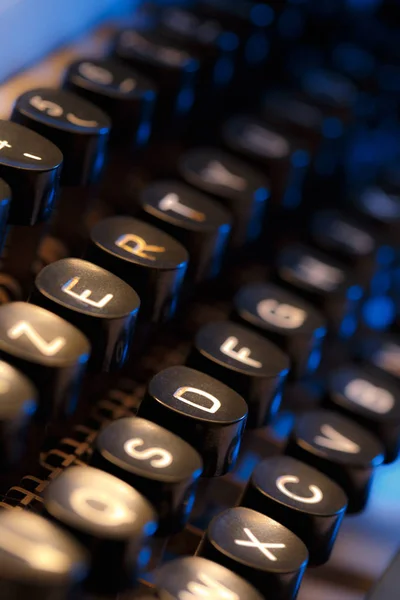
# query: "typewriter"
199,300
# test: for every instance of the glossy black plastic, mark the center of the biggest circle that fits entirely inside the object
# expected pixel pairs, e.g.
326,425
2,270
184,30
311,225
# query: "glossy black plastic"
248,363
203,411
97,302
157,463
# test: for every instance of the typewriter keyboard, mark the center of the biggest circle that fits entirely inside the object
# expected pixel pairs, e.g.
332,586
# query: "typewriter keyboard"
199,309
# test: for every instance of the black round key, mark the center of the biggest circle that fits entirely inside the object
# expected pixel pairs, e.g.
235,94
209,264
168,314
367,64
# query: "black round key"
293,324
371,399
269,147
242,189
320,279
18,404
202,226
193,576
210,416
300,498
108,516
294,114
248,363
216,48
157,463
330,90
255,138
237,16
31,166
334,95
207,39
129,98
355,62
173,70
344,238
38,560
340,448
250,21
78,128
381,352
97,302
5,200
258,549
204,37
124,94
379,206
50,352
148,259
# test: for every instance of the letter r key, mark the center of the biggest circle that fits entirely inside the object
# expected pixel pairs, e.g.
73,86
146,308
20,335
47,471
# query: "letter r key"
136,245
149,260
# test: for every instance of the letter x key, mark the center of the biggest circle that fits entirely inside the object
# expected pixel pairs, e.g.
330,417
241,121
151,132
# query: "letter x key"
263,547
236,539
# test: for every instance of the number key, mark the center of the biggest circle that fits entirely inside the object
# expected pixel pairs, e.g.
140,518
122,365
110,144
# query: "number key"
216,49
173,69
78,128
204,37
129,99
125,95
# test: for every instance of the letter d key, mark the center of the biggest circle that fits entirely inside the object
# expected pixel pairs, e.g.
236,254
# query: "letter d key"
201,410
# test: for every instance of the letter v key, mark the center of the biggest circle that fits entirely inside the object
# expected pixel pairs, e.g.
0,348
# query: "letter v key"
334,440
